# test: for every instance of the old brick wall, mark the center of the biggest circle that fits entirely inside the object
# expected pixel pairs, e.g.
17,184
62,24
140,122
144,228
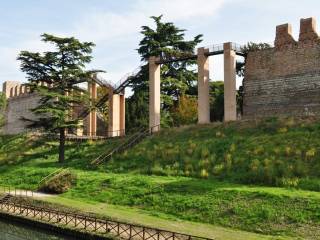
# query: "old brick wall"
17,108
284,80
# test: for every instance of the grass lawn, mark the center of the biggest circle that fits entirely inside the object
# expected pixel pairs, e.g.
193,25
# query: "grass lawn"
215,178
142,217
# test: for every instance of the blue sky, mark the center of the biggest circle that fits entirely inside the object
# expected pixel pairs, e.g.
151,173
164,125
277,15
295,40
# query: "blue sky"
114,26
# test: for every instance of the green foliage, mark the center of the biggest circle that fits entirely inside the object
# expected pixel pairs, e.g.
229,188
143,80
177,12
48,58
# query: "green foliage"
203,152
3,103
186,111
164,40
59,183
270,152
62,70
216,101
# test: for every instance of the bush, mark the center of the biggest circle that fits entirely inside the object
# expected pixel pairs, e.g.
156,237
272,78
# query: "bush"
58,184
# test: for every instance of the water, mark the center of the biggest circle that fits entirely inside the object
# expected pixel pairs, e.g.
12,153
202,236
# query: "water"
12,231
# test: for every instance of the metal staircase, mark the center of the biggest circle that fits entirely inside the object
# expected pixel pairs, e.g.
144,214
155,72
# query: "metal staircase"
117,88
131,142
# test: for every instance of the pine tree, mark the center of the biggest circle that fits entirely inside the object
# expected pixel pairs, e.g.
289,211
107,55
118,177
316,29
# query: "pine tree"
176,78
61,71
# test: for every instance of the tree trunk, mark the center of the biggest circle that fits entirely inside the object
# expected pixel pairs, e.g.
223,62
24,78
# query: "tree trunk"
61,145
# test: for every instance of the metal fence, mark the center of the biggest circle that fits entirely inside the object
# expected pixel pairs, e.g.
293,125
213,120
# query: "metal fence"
93,224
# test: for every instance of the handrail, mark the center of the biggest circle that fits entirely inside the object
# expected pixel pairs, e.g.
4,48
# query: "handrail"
58,171
133,140
93,224
13,191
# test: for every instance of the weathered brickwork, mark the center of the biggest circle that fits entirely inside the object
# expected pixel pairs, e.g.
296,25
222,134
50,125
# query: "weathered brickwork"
17,108
19,104
284,80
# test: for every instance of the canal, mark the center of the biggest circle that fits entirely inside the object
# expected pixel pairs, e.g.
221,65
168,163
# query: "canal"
13,231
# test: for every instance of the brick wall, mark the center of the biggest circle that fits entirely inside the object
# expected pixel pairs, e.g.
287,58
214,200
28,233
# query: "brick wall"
17,108
284,80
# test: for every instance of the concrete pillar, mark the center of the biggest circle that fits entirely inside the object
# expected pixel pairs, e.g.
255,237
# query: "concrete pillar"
230,101
122,114
92,116
114,125
94,112
154,94
203,87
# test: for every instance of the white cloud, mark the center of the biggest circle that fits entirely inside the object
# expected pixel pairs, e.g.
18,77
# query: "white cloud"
115,33
180,9
100,25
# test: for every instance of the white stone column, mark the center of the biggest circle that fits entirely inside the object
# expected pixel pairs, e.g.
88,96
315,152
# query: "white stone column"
122,114
92,116
154,94
114,124
94,112
230,101
203,87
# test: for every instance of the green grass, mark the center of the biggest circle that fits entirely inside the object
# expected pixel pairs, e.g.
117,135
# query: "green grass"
254,195
274,152
145,218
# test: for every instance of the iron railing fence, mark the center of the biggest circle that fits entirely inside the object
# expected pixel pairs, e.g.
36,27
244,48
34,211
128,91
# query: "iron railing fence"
92,224
13,191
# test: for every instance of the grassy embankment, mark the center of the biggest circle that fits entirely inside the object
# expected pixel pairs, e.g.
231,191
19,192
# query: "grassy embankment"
259,177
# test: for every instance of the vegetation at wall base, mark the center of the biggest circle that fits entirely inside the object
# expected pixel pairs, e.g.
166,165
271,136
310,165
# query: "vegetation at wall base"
272,202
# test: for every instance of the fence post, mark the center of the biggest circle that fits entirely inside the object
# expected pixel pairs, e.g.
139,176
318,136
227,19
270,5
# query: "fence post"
143,233
130,232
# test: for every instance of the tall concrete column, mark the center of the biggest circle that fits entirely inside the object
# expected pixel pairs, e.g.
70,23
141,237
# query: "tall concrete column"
230,101
203,87
122,113
92,116
114,124
154,94
94,112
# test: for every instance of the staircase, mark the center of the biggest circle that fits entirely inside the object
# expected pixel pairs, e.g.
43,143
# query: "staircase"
117,88
131,142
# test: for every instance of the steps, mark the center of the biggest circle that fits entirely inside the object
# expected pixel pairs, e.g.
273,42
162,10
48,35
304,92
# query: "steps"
132,141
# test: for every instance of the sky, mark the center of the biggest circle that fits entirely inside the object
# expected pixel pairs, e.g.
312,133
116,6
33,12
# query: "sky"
114,26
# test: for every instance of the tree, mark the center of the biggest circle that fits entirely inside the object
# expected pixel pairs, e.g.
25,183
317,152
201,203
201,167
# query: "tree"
186,111
217,101
176,78
61,71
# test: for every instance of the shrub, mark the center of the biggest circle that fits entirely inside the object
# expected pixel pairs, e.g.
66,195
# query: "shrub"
59,184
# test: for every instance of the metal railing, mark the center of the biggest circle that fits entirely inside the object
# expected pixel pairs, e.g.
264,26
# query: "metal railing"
92,224
13,191
132,141
125,80
51,175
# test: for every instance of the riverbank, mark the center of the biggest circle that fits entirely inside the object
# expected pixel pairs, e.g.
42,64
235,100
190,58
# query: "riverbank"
44,229
92,218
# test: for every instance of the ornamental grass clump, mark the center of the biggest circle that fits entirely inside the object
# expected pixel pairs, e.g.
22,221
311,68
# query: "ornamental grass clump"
59,183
